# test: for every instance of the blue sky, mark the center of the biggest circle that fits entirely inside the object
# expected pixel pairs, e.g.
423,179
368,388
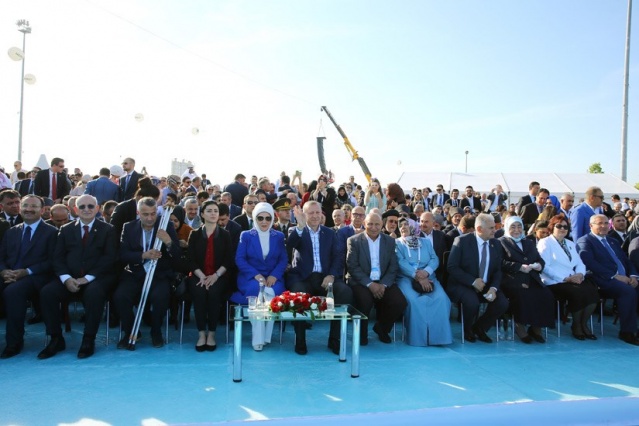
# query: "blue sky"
522,85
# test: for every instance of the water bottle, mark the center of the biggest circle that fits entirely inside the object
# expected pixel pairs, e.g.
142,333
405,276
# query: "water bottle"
330,299
261,298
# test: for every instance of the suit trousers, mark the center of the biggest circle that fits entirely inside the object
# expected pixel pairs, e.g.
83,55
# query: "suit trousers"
471,300
15,297
207,302
626,298
389,308
93,296
313,285
128,294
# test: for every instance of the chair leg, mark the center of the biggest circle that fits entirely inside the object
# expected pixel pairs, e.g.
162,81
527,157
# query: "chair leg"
183,305
558,320
601,310
461,311
281,330
108,314
166,332
228,320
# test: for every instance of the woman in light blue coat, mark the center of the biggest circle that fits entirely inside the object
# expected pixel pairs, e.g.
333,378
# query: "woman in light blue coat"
428,312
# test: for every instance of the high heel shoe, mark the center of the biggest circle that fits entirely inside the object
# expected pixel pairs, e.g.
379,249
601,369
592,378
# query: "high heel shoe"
200,348
537,336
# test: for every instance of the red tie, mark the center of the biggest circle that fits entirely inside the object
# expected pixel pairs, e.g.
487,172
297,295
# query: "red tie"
85,235
54,187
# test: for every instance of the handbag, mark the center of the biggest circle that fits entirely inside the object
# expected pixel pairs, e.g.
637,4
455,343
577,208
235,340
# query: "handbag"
178,286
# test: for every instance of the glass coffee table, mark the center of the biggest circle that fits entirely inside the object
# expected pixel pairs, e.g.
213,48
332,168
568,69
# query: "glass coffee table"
342,313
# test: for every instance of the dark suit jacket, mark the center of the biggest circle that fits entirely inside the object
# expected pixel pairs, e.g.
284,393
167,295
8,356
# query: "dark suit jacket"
131,187
124,212
491,198
38,257
302,247
465,202
235,230
97,257
358,259
450,237
234,211
242,220
4,226
454,202
463,262
103,190
131,250
529,215
23,187
238,192
17,220
42,184
523,201
598,260
615,236
514,257
433,199
221,246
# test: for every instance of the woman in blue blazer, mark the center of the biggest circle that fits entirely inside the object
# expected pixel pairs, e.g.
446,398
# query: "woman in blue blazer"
260,257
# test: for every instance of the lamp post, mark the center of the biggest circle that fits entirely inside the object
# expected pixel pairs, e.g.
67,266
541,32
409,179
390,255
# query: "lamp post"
24,28
466,161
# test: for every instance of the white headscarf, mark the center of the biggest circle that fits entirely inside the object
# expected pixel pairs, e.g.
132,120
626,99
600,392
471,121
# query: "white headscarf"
509,221
264,235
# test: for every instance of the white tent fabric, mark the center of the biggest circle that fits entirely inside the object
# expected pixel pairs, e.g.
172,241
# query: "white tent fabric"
516,184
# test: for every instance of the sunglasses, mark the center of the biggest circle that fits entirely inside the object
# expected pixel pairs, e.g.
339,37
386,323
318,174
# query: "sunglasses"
565,227
263,218
86,206
251,203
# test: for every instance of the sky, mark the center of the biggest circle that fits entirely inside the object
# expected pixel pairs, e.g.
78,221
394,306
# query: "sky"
523,86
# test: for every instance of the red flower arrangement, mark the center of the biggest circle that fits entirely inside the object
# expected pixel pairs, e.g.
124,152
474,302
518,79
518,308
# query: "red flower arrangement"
297,303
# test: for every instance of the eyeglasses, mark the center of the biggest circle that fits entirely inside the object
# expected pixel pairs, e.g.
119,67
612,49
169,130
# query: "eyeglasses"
564,227
599,196
391,220
263,218
86,206
358,214
251,203
187,182
405,215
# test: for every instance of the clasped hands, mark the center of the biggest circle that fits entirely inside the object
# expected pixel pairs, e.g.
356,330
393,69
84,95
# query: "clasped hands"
479,286
631,281
423,278
207,281
532,267
269,281
377,289
74,284
12,275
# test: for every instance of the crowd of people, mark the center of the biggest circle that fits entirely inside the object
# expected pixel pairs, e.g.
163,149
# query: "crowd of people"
410,253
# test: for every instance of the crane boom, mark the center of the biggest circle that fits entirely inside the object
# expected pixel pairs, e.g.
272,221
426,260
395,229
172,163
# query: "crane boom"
349,147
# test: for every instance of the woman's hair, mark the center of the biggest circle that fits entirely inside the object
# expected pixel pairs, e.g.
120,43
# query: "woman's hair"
205,205
555,220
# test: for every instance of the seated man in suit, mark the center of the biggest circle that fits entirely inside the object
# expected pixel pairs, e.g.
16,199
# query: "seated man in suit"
137,252
10,203
531,211
84,264
372,269
474,276
619,230
437,239
315,267
25,267
615,276
227,199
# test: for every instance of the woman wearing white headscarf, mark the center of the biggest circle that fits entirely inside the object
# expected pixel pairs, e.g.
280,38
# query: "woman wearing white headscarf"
260,257
531,302
428,311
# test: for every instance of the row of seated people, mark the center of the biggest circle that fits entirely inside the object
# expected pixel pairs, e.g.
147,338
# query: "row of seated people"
392,275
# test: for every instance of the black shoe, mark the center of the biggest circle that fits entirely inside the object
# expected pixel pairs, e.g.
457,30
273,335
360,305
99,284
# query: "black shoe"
210,348
34,319
383,336
629,338
158,341
87,348
537,337
200,348
123,343
333,345
579,336
481,334
56,345
11,350
590,336
520,331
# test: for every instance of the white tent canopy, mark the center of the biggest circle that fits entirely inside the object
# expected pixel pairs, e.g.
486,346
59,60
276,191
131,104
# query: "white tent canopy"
516,184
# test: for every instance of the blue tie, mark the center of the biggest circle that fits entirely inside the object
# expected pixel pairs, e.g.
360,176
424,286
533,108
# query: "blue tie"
24,246
620,269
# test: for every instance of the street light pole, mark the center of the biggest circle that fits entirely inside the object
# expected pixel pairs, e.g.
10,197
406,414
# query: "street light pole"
466,162
24,28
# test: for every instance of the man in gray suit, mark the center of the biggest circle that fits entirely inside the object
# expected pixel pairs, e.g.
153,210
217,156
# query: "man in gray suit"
372,267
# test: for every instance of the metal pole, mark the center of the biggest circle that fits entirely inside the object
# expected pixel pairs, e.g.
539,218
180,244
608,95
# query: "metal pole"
626,84
24,28
466,170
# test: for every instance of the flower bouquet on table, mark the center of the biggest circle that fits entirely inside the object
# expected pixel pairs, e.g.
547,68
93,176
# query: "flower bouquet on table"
297,303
